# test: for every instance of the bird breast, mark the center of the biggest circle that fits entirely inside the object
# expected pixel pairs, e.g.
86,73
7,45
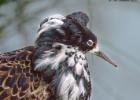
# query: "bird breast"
71,72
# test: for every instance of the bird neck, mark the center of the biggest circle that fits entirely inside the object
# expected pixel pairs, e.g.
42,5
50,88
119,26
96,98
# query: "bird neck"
71,80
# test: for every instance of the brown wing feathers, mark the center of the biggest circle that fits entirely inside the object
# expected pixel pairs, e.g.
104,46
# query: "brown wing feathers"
17,79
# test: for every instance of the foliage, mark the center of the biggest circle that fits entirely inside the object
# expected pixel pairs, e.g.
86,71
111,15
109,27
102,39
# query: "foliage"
20,16
2,2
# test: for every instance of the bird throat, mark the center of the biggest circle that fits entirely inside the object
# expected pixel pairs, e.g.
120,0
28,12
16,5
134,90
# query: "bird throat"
71,80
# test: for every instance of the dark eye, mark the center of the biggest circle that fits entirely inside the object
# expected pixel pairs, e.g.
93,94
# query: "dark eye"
90,43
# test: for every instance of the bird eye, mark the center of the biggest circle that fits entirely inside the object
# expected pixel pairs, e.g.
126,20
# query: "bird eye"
90,43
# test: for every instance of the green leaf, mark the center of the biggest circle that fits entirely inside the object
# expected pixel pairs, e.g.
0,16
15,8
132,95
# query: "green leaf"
3,2
2,15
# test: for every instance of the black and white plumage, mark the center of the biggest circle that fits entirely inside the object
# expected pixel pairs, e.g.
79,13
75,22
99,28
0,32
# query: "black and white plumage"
56,67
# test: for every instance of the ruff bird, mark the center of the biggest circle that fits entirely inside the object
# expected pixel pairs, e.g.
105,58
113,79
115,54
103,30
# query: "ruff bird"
55,67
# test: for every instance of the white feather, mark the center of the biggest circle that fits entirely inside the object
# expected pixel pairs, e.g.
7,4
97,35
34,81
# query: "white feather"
71,61
78,69
86,75
46,60
67,81
54,21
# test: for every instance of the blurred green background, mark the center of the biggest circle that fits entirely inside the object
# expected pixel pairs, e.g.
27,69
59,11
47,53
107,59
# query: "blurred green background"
116,24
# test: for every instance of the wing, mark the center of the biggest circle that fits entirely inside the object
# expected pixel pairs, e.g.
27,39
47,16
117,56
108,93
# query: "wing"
18,81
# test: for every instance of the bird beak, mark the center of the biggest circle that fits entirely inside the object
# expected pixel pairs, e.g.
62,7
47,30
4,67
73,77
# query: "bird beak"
98,53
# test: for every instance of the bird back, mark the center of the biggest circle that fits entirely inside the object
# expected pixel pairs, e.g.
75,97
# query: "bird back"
18,81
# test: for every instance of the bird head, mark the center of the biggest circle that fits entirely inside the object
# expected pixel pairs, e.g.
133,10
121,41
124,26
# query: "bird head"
70,30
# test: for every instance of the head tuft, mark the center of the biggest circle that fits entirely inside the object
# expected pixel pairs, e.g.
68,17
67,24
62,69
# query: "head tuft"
53,21
81,17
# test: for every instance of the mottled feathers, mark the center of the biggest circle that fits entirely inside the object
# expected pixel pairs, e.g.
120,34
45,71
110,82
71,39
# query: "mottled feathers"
18,80
55,68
